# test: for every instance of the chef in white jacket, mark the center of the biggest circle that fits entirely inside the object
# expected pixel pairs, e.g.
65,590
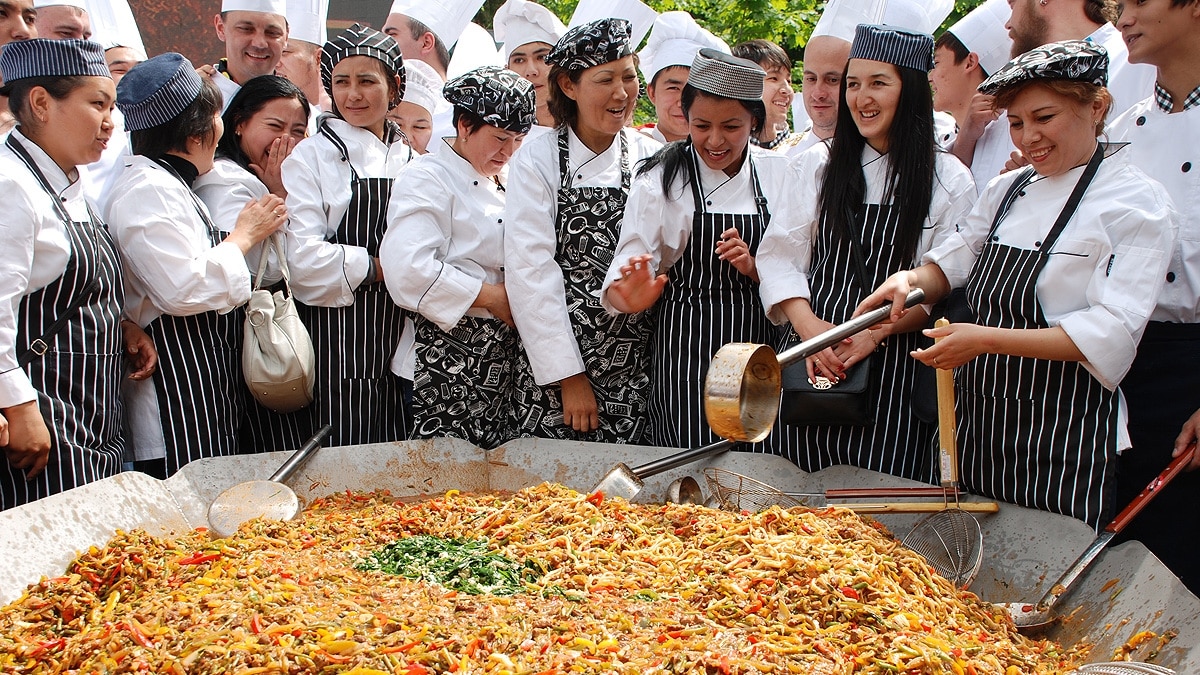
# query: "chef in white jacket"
338,183
187,279
443,258
674,41
254,33
528,32
1062,264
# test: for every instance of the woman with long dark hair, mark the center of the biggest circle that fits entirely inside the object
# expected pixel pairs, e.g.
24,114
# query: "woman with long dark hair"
882,194
188,278
263,123
62,288
696,213
1062,264
567,193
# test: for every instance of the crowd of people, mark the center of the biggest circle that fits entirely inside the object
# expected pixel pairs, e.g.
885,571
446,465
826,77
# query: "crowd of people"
482,245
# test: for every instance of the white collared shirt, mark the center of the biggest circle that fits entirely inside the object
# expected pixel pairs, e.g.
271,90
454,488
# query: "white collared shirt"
785,254
1164,146
445,238
992,150
1105,270
662,225
533,279
35,251
326,274
225,191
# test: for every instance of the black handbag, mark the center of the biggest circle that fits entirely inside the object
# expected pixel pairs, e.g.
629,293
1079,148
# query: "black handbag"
849,402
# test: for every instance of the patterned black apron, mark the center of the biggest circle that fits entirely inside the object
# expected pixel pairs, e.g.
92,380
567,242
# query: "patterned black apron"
898,443
356,391
464,380
1033,432
79,376
199,384
613,347
707,303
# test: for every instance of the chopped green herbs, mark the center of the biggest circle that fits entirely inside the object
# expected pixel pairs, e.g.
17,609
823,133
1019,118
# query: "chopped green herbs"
463,565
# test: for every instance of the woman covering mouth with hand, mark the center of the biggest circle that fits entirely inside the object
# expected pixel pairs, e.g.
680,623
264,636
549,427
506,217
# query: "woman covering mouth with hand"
875,199
589,376
697,211
1062,264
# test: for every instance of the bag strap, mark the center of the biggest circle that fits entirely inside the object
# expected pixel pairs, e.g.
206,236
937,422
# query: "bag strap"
276,244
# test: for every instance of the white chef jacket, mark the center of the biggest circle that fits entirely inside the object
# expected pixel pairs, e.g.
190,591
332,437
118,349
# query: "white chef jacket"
171,267
807,140
1107,267
325,274
662,226
225,191
445,239
533,279
945,129
992,150
785,254
1127,82
228,87
35,251
1164,147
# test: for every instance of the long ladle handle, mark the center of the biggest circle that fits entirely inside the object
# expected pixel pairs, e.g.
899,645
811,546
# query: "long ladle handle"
1114,528
301,456
680,458
947,432
844,330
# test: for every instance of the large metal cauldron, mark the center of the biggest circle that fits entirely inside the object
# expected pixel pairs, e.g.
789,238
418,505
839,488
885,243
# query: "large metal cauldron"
1126,591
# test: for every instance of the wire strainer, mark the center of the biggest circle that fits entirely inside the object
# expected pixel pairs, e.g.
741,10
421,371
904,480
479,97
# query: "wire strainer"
735,492
1123,668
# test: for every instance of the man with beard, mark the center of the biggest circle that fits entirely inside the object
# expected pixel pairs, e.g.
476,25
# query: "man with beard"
1037,22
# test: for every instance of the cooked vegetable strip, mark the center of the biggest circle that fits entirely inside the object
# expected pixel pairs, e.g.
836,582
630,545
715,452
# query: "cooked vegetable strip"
607,586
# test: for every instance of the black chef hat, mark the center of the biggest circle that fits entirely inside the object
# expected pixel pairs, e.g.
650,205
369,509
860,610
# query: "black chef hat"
501,97
592,44
1076,60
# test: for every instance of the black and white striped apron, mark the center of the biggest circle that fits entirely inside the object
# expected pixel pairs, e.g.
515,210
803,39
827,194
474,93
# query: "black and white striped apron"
707,303
899,443
613,347
78,378
463,381
1033,432
199,384
356,391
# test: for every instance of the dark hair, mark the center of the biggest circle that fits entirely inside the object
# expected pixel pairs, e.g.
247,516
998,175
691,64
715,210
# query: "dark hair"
196,121
950,41
251,98
1083,93
1100,11
418,29
763,52
470,119
59,88
389,76
674,156
912,157
562,107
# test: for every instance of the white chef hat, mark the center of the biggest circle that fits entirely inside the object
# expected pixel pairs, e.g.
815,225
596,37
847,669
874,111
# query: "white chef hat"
923,16
519,22
475,49
640,16
842,16
674,41
267,6
112,22
446,18
423,86
306,20
983,32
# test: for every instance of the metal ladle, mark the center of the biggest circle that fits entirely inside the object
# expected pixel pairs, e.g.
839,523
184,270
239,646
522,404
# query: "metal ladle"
1026,615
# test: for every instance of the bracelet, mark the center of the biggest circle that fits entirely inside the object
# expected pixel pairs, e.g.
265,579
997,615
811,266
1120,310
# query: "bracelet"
871,333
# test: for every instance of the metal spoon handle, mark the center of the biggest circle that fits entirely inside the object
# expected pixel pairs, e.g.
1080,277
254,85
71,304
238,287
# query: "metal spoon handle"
680,458
842,331
301,456
1063,584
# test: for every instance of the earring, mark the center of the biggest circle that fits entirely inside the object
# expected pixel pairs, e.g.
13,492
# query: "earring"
1043,2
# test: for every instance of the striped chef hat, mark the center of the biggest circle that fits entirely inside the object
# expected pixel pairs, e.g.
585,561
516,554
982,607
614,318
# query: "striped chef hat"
155,91
718,73
897,46
42,57
359,40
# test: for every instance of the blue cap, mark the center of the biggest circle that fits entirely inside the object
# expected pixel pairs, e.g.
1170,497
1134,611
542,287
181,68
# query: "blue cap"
155,91
897,46
22,59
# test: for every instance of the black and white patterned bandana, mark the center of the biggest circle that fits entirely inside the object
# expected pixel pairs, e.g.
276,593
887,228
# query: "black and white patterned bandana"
359,40
1076,60
592,44
501,97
